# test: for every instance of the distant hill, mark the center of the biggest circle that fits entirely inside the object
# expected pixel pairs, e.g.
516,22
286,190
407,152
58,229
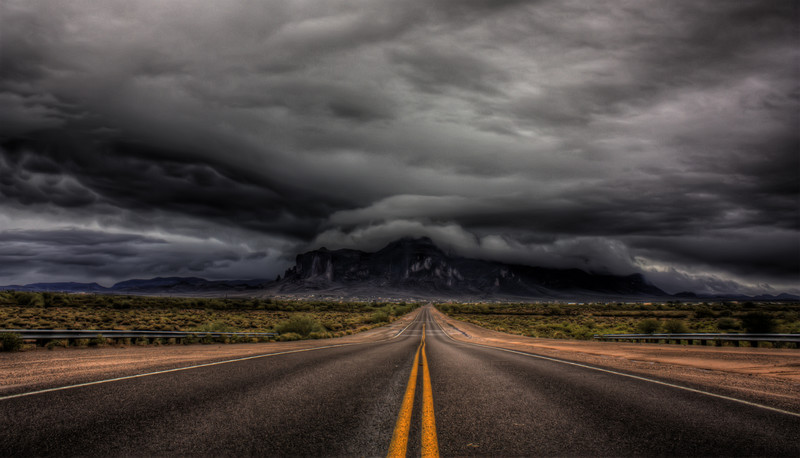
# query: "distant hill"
67,287
155,286
417,267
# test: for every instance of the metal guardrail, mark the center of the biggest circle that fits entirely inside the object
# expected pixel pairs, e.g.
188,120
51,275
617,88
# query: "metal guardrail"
703,338
59,334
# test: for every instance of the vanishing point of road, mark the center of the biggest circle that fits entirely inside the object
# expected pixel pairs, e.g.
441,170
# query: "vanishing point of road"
416,392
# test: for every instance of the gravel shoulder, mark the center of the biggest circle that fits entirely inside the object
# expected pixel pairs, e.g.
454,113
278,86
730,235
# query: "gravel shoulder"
766,376
38,369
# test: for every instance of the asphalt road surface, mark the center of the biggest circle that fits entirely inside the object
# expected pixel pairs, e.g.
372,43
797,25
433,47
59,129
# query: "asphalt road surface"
403,395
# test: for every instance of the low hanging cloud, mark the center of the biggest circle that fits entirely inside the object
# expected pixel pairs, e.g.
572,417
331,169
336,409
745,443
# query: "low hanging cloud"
655,137
106,257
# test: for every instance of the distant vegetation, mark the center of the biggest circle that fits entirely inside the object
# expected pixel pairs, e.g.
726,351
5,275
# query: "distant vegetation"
291,319
582,321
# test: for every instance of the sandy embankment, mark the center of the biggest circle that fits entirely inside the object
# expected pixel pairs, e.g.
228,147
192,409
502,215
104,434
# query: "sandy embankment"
767,376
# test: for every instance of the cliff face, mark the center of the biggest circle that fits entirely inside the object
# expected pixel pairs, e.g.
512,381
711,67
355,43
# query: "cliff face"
418,266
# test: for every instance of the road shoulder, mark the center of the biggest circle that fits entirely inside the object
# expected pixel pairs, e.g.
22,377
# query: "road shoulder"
766,376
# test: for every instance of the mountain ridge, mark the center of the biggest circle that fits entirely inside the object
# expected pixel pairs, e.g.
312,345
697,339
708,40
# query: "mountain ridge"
419,266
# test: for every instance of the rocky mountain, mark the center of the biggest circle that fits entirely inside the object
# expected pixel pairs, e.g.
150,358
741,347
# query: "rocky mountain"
417,267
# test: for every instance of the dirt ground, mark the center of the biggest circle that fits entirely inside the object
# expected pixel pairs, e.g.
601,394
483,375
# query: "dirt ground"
769,376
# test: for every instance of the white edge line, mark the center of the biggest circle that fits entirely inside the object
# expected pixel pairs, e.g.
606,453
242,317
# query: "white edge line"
404,329
645,379
177,369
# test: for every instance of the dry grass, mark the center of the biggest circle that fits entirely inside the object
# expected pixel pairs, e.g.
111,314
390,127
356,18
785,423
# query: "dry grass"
20,310
582,321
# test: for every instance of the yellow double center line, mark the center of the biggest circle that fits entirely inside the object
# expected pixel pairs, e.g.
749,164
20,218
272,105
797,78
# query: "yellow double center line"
430,445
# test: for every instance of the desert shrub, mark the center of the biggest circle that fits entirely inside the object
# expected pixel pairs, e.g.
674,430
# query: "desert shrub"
648,326
10,341
758,323
217,326
121,305
675,327
31,299
300,324
582,333
289,336
56,343
190,339
98,341
332,325
703,312
80,342
380,317
727,323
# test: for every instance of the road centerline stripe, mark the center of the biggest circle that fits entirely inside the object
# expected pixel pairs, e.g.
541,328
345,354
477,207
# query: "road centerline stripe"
430,444
399,444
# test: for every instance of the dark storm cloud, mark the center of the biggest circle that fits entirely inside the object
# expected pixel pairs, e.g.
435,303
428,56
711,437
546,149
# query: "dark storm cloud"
437,70
652,136
107,257
66,173
773,253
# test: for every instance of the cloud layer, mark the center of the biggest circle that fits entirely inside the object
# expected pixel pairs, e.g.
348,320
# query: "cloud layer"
655,137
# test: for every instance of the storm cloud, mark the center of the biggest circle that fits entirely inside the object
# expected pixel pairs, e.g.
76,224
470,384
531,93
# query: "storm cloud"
145,137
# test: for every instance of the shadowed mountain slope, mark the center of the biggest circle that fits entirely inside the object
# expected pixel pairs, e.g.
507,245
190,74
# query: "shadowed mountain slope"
419,267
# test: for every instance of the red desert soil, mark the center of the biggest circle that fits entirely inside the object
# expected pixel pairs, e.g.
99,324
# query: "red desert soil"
769,376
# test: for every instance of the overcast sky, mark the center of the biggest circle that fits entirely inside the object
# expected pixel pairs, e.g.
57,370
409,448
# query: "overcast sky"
219,139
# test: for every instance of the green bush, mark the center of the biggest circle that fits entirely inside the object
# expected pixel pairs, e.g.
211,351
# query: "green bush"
675,327
649,326
300,324
98,341
758,323
80,342
380,317
726,324
10,341
190,339
703,312
217,326
56,343
289,336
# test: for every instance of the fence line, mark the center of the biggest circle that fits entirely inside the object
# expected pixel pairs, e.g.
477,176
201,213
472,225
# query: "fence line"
60,334
703,338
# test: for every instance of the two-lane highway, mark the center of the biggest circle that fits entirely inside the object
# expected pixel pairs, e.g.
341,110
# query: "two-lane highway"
358,399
